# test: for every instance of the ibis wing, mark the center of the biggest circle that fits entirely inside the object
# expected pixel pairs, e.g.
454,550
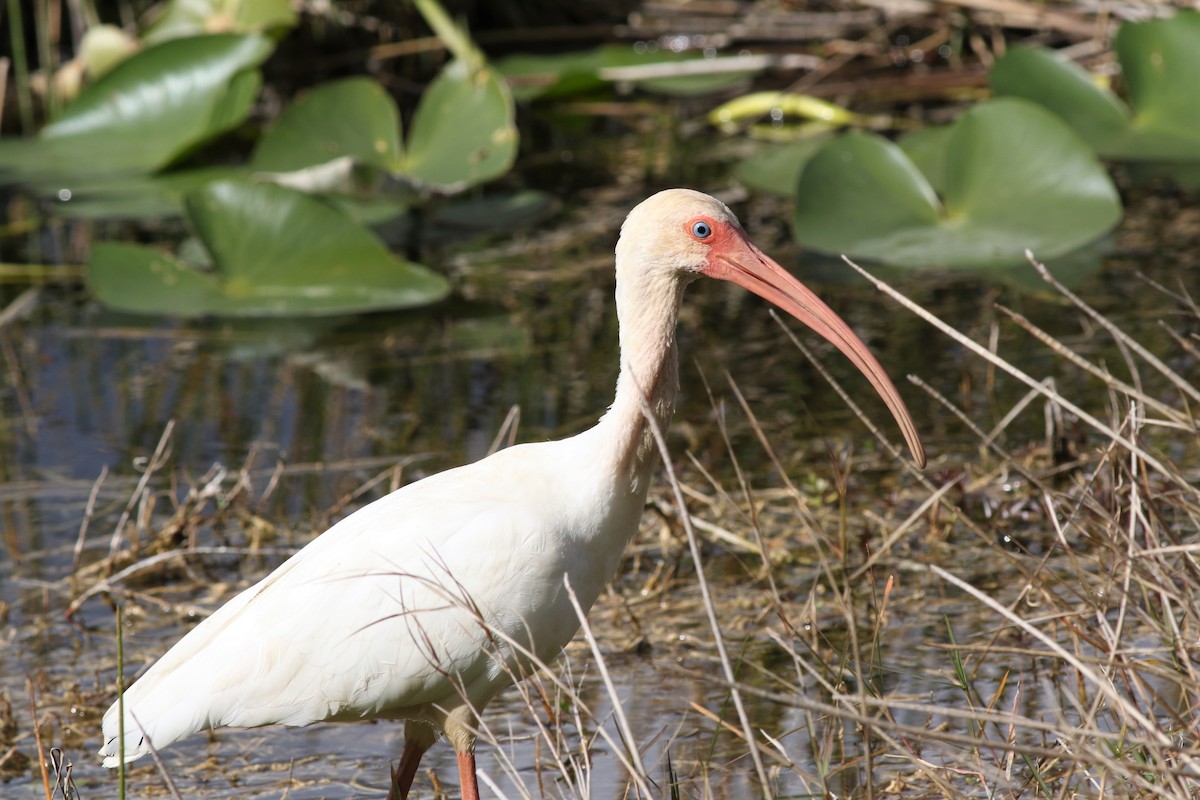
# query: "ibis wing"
382,615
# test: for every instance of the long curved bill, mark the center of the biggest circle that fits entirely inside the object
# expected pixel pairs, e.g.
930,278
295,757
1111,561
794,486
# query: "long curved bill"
739,261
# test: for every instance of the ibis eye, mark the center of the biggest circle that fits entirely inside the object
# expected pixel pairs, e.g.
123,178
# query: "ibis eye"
701,229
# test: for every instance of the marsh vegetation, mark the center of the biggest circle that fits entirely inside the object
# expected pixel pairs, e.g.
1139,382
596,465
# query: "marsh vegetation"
1019,620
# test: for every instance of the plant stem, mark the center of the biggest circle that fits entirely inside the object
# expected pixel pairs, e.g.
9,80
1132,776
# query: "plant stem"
16,30
455,37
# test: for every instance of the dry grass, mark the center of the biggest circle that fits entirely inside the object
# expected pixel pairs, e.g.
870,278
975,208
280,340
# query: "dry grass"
1057,588
1018,621
1089,598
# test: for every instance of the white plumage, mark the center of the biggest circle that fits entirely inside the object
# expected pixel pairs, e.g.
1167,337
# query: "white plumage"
417,606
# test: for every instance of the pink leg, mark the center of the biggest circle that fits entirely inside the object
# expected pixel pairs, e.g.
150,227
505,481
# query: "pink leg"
466,776
402,776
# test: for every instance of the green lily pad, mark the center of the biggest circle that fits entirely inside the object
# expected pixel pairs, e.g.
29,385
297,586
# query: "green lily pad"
464,130
557,75
135,197
179,18
354,117
1160,60
926,148
1016,178
565,74
274,252
776,169
147,112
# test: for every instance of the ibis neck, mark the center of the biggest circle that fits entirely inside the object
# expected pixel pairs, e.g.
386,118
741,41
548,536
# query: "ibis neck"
647,312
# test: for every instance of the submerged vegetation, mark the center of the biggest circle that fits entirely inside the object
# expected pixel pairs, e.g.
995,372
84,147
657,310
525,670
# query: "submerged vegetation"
1020,620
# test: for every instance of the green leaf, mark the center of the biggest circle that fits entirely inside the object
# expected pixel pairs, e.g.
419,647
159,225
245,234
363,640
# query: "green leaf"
562,74
926,148
1065,88
234,106
129,277
533,76
140,197
776,168
148,111
1016,178
862,186
179,18
1017,171
354,117
691,85
453,36
463,132
1160,60
275,252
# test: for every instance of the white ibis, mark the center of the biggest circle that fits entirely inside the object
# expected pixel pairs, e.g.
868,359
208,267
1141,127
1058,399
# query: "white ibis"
425,604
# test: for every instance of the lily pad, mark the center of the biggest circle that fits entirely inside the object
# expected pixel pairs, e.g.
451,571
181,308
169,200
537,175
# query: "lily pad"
179,18
134,197
1160,60
564,74
354,117
776,169
464,130
274,252
926,148
1016,177
147,112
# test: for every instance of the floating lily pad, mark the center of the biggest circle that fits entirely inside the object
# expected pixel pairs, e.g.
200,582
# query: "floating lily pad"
179,18
1160,62
1016,177
274,252
776,168
147,112
926,148
463,132
354,117
564,74
142,197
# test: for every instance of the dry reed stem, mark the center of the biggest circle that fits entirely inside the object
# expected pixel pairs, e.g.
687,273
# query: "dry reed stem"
157,460
37,737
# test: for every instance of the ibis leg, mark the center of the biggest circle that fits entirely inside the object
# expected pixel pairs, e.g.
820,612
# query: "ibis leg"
466,776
